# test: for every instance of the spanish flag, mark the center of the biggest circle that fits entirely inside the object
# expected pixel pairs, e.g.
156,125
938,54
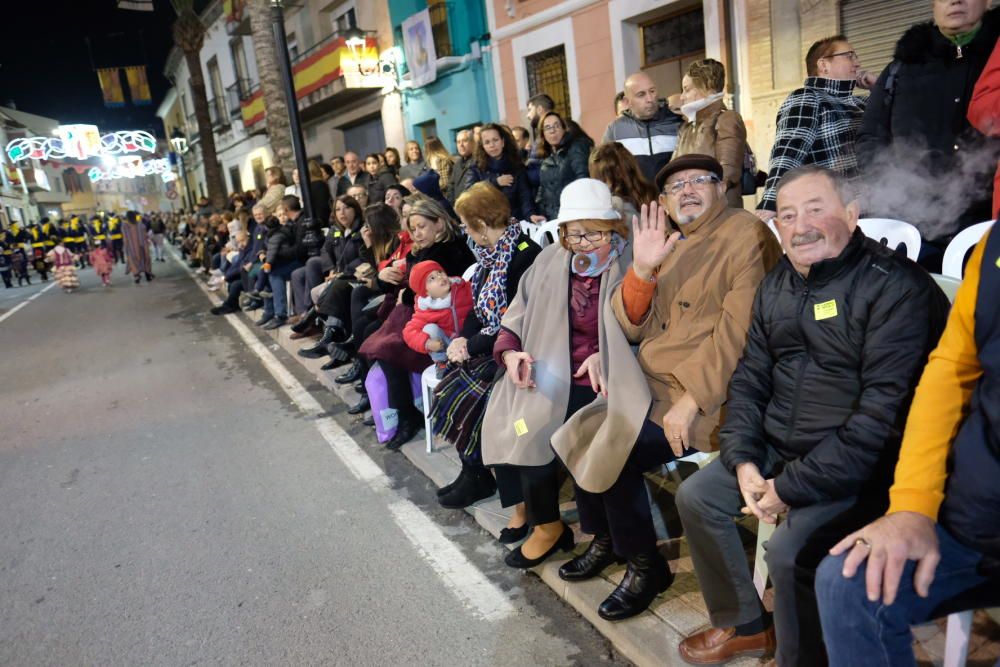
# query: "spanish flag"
111,86
138,85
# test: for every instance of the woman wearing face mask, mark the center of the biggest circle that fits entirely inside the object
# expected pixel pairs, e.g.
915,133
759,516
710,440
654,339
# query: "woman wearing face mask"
380,177
436,237
564,152
497,162
554,369
711,128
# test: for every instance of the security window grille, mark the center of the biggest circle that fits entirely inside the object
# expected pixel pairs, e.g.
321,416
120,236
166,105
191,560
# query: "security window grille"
546,72
673,37
343,21
234,178
438,10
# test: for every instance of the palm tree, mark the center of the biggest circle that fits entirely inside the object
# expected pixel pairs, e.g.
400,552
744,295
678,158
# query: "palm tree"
279,130
189,36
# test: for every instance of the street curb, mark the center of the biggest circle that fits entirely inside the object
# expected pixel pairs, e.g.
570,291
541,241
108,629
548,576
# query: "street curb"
650,639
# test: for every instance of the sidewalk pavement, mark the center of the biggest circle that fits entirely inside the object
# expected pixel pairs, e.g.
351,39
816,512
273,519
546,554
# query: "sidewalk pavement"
649,639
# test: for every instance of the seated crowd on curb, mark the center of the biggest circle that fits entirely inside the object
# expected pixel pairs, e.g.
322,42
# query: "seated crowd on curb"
850,404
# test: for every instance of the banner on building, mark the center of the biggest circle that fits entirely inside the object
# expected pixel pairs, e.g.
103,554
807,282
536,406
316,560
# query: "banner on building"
136,5
418,44
111,86
138,85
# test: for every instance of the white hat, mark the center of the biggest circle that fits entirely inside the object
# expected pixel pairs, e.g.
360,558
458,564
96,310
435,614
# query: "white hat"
586,199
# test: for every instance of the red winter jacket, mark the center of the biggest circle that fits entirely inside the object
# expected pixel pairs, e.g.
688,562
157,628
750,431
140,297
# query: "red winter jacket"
984,111
450,319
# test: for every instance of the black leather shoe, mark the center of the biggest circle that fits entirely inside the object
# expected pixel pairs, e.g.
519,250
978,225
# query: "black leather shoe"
333,363
307,321
264,320
405,432
360,387
647,576
225,309
591,562
511,535
275,323
319,349
254,303
444,490
369,420
516,559
352,375
477,485
361,406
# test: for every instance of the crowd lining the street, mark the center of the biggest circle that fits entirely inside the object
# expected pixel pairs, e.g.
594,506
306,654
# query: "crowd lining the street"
849,402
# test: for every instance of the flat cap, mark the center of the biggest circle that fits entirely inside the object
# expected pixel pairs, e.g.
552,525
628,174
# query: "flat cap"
690,161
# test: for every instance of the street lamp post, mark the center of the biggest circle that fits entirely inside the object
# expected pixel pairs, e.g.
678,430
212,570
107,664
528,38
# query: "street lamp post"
285,65
180,145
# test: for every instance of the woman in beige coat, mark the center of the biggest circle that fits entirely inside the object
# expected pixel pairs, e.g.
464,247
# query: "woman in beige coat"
711,128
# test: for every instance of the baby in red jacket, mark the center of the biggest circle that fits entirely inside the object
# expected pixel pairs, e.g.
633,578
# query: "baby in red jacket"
439,311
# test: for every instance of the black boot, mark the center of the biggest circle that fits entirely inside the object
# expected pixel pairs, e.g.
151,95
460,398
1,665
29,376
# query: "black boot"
477,485
339,355
352,375
363,405
306,321
319,349
340,333
591,562
448,487
647,576
406,431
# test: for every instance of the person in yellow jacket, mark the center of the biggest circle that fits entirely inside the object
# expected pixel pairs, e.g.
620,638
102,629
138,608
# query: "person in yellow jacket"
116,238
937,549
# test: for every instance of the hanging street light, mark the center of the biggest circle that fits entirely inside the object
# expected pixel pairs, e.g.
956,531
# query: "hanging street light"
179,143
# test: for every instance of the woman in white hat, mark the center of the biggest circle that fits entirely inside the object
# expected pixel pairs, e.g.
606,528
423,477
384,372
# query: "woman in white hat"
562,350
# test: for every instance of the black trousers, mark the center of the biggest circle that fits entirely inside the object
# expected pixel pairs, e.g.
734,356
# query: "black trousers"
234,289
538,486
623,510
401,393
336,301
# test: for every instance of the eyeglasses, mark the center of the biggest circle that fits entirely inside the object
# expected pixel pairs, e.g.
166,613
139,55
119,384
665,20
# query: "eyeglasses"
593,237
676,187
853,55
551,128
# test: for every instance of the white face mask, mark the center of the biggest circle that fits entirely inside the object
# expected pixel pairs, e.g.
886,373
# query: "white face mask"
692,108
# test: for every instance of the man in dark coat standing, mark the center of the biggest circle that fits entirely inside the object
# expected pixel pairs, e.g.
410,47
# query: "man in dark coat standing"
648,128
918,152
840,331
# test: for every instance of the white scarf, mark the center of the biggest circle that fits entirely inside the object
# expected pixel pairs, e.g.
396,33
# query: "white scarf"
691,109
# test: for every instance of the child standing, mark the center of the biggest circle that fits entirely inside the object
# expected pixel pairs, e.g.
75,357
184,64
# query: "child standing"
65,267
439,312
103,262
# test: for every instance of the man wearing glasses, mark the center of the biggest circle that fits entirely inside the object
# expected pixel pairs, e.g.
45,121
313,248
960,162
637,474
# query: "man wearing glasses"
840,331
818,123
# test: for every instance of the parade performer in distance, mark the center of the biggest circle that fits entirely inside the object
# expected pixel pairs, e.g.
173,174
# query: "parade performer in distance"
116,237
136,246
36,241
103,262
64,262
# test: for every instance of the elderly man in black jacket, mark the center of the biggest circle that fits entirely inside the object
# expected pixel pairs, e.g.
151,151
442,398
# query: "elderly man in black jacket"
924,160
841,329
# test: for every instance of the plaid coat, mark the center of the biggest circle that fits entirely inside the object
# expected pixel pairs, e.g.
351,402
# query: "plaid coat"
817,124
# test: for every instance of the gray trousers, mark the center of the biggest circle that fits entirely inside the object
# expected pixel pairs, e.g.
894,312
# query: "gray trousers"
707,503
305,278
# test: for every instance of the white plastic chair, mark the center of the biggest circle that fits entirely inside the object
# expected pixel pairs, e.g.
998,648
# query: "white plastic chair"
428,381
893,233
774,230
469,272
547,232
947,284
764,532
954,254
956,639
529,228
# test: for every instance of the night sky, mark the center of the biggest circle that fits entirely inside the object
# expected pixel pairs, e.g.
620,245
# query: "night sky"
45,68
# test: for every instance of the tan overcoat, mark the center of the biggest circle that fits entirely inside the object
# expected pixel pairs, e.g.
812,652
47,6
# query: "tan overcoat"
696,327
522,427
718,132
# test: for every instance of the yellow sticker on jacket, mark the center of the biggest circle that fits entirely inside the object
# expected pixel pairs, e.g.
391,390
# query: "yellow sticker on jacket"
522,245
825,310
998,262
520,428
337,235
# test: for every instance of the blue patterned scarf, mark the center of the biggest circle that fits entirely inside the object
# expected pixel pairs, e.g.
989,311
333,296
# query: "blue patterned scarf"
491,275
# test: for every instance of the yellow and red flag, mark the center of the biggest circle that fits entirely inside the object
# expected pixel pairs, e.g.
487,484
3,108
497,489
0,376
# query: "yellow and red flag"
111,86
138,85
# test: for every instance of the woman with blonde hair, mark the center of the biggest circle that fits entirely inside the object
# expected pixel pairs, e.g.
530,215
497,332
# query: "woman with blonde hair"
711,128
439,160
415,164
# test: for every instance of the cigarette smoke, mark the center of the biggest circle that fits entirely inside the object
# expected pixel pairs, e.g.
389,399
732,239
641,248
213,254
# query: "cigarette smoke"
908,181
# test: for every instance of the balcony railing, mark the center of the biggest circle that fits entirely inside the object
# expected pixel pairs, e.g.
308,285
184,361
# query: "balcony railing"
438,10
234,94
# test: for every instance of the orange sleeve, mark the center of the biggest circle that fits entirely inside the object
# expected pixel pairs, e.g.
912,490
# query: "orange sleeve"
940,404
637,295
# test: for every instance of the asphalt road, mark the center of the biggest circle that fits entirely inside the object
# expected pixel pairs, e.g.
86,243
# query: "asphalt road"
165,503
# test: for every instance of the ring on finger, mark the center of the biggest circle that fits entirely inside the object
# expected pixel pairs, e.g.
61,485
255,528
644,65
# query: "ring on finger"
862,542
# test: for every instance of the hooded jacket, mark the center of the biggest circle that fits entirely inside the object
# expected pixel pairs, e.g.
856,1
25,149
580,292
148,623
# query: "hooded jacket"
652,141
280,244
565,164
829,369
922,98
449,314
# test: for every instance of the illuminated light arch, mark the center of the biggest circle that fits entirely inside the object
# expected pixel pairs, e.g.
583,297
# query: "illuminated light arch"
80,145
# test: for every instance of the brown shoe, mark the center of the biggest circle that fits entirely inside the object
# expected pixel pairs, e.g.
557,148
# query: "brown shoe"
308,333
294,319
716,646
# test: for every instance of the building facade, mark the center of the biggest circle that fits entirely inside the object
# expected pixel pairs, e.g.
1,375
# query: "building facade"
462,93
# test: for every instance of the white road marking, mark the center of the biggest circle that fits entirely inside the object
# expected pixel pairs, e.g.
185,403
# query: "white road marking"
27,301
458,574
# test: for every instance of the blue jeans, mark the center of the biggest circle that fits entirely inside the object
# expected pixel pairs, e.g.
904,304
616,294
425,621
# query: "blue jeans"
436,332
859,632
277,304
